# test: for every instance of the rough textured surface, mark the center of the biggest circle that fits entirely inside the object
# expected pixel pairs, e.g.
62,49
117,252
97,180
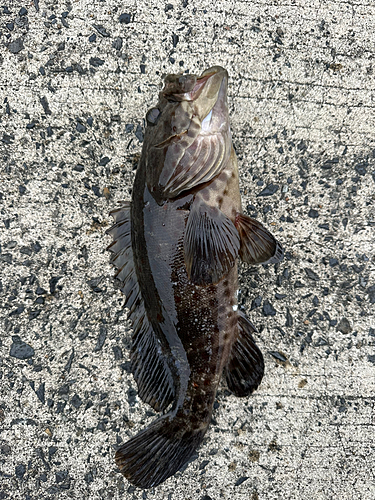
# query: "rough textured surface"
75,82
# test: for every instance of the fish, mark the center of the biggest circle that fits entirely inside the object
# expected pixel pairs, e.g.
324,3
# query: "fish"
176,247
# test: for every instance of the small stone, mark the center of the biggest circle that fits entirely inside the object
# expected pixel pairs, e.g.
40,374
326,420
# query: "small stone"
76,401
34,314
101,30
279,356
117,352
45,105
269,190
361,168
104,161
101,338
61,476
289,318
344,326
20,349
92,38
268,309
311,274
315,301
16,46
96,61
241,480
204,464
80,128
20,471
124,18
139,133
175,39
117,43
79,168
52,284
40,392
314,214
256,302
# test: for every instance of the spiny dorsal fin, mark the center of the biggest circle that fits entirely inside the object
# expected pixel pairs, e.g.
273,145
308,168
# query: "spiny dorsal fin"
211,244
153,377
245,366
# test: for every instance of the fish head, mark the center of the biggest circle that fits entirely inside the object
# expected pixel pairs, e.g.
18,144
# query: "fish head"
188,133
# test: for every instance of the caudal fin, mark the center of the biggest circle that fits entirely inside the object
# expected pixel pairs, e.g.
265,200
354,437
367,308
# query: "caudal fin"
157,452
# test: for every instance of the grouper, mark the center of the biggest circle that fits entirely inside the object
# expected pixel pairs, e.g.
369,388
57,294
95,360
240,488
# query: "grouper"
176,245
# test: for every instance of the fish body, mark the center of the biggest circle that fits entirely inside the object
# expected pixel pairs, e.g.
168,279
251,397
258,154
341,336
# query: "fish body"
176,246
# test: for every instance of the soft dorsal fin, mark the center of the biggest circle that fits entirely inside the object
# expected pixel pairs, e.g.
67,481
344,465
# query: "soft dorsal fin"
153,377
245,366
258,245
211,244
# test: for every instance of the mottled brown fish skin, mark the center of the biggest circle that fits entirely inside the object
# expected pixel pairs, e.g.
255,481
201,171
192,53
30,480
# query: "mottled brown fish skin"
176,249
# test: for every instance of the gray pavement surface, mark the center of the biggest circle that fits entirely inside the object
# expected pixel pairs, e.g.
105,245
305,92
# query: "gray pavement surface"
76,79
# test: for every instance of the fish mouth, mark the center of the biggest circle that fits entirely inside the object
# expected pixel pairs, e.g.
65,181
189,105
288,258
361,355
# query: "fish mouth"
180,87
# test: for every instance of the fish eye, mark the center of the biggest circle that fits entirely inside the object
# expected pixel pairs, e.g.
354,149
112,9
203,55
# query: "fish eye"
152,116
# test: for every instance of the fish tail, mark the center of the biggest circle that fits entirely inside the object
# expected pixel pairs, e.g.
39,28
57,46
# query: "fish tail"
158,451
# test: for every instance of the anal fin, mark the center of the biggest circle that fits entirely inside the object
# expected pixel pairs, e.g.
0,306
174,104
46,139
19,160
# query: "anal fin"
149,367
245,367
211,244
258,245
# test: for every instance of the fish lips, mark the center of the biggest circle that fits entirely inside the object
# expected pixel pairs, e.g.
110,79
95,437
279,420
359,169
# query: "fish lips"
207,87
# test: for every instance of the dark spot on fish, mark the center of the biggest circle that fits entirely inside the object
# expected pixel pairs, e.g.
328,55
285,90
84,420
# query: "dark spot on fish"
225,283
222,309
220,201
213,303
227,292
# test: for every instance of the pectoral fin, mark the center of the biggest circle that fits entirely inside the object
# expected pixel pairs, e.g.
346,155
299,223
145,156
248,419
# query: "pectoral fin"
211,244
245,366
258,246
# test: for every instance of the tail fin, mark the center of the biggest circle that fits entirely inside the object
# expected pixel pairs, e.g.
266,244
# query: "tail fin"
158,452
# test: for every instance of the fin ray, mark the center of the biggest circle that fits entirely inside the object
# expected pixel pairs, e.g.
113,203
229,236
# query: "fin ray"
150,371
258,245
158,451
211,244
245,367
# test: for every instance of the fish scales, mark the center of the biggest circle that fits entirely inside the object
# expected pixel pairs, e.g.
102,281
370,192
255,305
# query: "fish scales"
176,246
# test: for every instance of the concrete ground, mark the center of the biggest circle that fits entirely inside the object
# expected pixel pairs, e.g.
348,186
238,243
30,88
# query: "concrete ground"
76,79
